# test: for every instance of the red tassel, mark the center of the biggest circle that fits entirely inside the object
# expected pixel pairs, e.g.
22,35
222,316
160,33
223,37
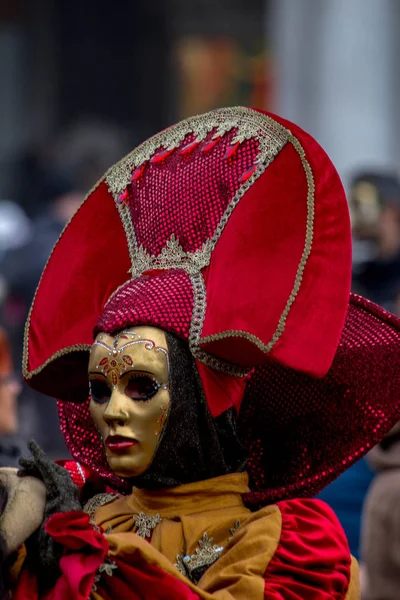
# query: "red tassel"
189,148
230,151
248,173
161,156
122,198
210,145
137,173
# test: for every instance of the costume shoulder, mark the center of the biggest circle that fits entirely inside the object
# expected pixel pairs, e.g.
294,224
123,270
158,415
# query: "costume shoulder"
312,558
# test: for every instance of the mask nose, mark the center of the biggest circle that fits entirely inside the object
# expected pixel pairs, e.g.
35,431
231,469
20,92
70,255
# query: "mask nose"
114,413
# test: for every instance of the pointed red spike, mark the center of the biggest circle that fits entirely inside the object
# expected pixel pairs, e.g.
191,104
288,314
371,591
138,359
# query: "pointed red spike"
161,156
210,144
189,147
230,151
248,173
137,173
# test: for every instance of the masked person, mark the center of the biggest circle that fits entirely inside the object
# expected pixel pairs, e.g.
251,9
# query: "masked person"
204,285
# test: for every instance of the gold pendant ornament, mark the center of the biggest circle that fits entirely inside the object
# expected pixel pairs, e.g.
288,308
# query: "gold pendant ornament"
146,523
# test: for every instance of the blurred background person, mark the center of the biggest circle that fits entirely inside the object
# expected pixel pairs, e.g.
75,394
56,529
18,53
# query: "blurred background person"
75,161
381,522
374,200
10,389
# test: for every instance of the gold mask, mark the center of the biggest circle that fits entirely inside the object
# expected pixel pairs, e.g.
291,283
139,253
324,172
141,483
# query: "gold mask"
128,375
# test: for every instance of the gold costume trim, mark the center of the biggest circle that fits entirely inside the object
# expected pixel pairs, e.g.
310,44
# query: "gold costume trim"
172,255
271,138
196,326
300,270
25,352
269,134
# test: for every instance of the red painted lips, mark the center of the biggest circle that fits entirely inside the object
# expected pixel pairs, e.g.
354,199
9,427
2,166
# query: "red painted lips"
118,442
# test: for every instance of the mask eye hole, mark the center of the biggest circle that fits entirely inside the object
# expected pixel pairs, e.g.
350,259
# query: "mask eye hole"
142,388
100,392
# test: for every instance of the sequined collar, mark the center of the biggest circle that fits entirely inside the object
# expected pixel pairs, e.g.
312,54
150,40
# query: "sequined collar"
222,492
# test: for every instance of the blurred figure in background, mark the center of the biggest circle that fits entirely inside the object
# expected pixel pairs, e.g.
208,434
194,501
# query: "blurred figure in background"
375,212
60,178
374,201
10,389
381,522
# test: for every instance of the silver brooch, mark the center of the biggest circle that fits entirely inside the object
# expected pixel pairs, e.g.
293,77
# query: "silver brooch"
107,567
97,501
146,523
194,566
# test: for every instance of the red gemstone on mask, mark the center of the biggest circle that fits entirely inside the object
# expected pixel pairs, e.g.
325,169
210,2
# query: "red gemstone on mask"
103,361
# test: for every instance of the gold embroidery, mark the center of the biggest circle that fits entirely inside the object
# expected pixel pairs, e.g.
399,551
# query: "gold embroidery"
126,219
146,523
98,500
234,529
271,138
194,566
118,177
172,256
248,123
77,347
300,270
107,567
67,350
196,326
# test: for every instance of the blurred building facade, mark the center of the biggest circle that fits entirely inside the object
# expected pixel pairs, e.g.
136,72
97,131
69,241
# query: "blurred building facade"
338,77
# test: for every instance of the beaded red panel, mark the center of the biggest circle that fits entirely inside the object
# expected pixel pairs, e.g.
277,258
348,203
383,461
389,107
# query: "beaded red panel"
305,432
186,194
163,300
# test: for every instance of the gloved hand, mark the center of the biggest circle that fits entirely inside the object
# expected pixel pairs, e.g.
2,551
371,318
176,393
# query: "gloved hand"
62,496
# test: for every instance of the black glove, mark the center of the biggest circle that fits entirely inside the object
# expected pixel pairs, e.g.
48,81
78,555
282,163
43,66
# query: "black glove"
62,496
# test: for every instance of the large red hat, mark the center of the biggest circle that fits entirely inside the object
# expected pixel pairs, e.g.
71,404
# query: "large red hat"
231,230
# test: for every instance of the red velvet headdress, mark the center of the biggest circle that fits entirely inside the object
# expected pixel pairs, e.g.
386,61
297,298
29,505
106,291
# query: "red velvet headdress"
231,230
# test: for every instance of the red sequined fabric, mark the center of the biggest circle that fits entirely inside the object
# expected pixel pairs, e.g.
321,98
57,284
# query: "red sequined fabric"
163,300
301,432
306,432
84,442
185,195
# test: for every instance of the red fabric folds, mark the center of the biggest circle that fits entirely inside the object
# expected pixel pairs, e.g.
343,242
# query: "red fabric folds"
140,580
85,549
313,558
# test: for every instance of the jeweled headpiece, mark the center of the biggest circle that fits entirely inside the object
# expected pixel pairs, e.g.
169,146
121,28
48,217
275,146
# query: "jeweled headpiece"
231,230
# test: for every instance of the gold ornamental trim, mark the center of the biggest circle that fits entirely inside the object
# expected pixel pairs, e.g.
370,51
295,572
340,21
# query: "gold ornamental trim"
63,351
172,255
249,124
266,348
